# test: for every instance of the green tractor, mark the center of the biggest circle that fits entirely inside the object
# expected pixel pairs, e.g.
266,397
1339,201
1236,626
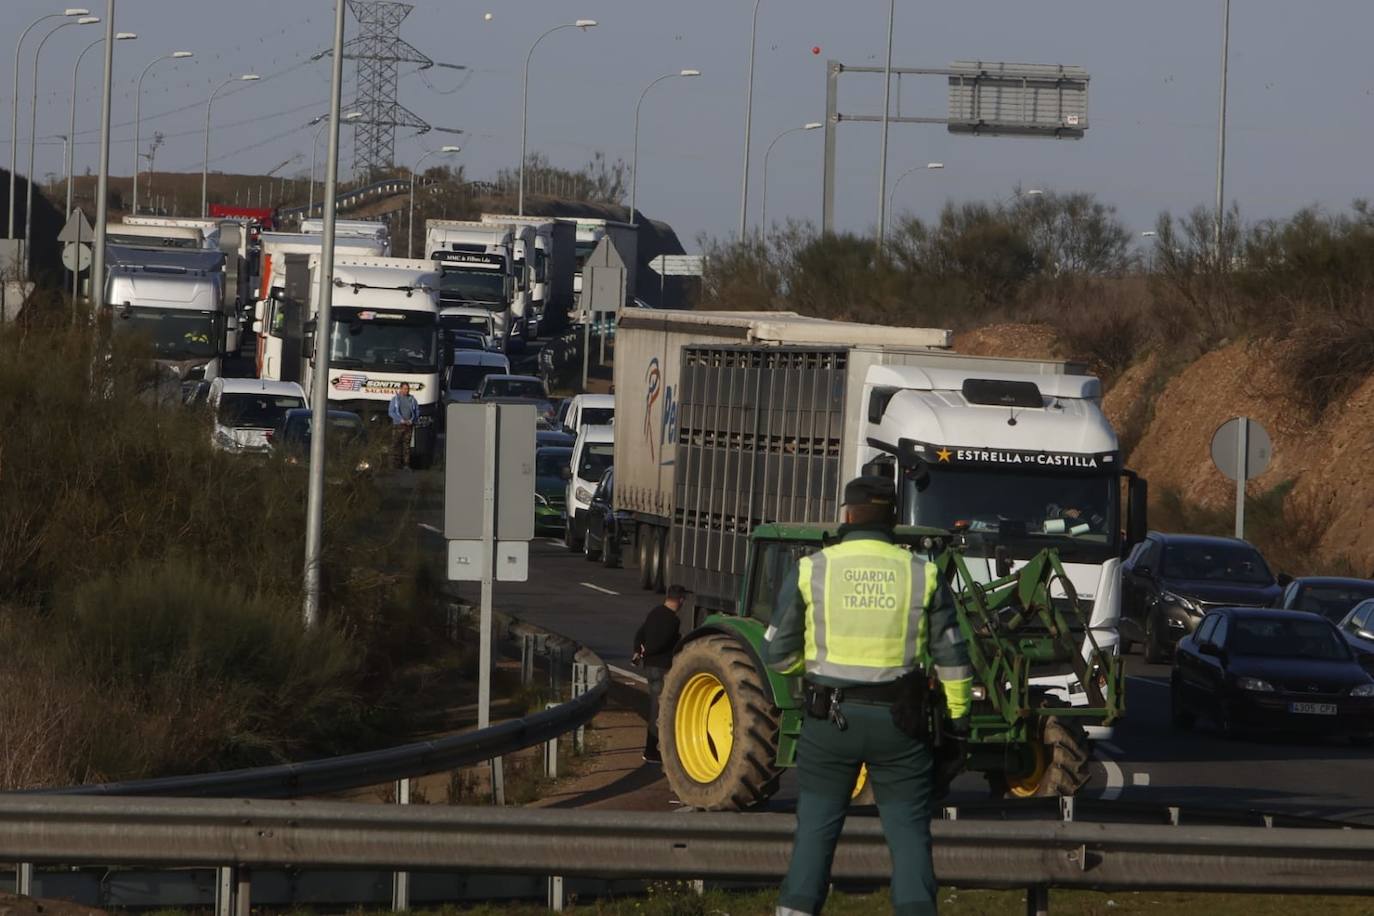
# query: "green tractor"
729,726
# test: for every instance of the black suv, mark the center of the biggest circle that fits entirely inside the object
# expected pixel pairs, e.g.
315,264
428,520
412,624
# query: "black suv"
1170,581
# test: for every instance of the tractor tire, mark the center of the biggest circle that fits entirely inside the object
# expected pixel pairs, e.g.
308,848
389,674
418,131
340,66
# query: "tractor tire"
718,727
644,549
1062,755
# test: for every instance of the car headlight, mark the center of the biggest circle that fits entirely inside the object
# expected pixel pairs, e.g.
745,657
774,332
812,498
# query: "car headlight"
582,494
1362,690
1255,685
1185,603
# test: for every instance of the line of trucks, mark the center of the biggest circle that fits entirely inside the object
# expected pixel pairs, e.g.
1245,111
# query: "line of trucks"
734,434
201,289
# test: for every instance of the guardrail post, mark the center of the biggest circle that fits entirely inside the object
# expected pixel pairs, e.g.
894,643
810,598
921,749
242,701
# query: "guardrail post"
400,881
243,893
1038,900
225,884
551,752
526,659
581,672
23,879
556,900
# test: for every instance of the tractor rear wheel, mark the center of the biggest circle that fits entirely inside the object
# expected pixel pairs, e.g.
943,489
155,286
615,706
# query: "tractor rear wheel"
1061,761
718,727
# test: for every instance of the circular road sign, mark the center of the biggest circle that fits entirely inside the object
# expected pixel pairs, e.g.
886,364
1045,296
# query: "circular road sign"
1259,449
76,256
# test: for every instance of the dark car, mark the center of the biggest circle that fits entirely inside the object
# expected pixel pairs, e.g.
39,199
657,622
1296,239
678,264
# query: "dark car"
552,468
605,530
517,389
1330,596
346,438
1170,580
1287,673
1358,629
554,438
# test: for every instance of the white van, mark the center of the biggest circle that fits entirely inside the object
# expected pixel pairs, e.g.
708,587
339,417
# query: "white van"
464,377
589,410
593,453
247,409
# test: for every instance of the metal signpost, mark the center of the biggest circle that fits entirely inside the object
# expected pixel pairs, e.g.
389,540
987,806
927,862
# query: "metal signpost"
76,237
489,516
1242,450
986,98
604,281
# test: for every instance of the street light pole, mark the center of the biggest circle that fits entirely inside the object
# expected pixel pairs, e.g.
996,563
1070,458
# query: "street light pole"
410,232
102,182
205,169
748,125
887,106
322,120
14,105
930,166
763,210
582,24
138,115
70,152
634,163
319,387
33,131
1221,126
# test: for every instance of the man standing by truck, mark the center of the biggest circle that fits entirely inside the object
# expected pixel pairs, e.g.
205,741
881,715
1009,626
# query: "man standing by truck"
655,642
861,618
403,411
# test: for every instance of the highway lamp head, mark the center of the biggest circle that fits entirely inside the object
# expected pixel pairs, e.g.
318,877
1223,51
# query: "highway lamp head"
126,36
690,73
249,78
450,149
935,165
585,24
76,11
353,116
88,20
812,125
182,55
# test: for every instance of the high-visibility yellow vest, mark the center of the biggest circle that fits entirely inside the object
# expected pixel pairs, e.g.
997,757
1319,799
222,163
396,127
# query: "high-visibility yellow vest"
867,601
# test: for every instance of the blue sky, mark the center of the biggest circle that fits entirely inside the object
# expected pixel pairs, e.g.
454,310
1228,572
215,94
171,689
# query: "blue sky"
1302,99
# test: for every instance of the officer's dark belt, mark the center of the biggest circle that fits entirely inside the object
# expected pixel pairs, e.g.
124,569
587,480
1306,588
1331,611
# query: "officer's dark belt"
877,694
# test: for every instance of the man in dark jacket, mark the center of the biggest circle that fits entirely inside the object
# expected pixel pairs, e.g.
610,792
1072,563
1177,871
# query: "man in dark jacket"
654,645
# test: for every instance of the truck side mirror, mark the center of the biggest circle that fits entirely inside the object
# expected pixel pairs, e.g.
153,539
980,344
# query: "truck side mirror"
257,326
1284,580
1137,508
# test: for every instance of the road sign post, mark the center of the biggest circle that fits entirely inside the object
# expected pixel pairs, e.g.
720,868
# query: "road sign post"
489,517
1242,450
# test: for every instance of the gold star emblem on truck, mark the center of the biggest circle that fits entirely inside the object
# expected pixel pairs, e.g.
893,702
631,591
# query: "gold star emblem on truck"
943,454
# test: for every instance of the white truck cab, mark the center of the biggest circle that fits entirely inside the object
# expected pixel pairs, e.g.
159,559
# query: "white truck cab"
593,453
478,268
176,310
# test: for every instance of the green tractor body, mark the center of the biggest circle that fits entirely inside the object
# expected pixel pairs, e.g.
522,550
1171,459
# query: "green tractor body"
729,725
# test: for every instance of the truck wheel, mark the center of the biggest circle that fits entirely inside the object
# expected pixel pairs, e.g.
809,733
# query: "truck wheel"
644,548
1061,762
660,560
719,727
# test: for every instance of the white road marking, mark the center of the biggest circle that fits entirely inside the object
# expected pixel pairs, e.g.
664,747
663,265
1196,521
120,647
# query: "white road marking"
1115,778
597,588
626,673
1111,749
1140,779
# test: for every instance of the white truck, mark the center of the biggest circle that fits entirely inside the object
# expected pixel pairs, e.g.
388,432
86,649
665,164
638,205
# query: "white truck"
177,310
548,265
354,229
590,232
729,420
276,316
477,269
384,334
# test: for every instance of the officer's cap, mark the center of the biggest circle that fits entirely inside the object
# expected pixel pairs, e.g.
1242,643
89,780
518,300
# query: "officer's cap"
870,491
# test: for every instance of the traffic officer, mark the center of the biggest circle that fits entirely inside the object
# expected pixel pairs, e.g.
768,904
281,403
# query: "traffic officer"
857,617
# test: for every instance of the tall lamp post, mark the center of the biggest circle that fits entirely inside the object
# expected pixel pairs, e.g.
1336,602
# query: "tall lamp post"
634,165
410,232
582,24
33,130
1221,125
763,210
748,124
322,120
205,169
887,110
929,166
71,132
138,114
14,105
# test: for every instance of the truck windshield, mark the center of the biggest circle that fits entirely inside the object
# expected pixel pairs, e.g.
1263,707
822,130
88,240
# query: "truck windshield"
173,333
383,346
483,287
1023,511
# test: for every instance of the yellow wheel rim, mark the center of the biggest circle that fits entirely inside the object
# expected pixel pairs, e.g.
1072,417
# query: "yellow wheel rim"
704,727
1027,785
860,783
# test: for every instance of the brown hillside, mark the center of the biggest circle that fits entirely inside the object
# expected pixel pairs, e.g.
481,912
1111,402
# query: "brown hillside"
1022,341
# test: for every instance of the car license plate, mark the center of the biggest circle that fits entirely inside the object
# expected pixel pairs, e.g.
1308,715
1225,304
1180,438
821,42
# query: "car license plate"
1313,709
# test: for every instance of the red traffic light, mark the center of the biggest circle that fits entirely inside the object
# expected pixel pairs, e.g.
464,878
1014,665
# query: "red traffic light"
815,49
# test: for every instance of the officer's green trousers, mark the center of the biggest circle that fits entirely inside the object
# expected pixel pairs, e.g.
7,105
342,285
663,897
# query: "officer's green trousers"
828,763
